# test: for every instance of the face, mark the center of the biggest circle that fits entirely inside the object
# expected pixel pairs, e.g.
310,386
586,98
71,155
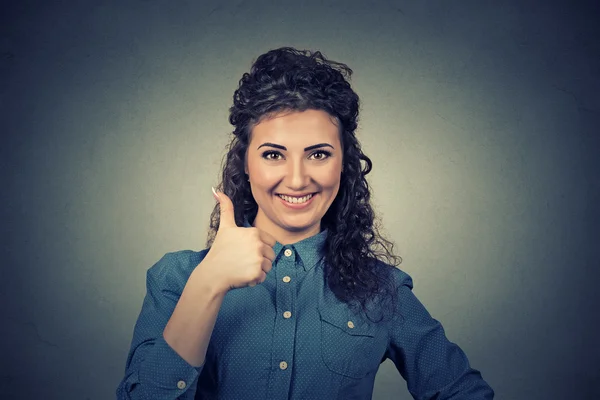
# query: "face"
294,162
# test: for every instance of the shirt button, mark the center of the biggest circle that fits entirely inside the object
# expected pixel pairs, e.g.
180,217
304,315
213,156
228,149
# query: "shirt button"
287,314
350,324
181,385
286,279
283,365
287,252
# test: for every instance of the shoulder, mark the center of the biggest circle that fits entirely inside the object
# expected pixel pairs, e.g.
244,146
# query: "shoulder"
174,268
397,275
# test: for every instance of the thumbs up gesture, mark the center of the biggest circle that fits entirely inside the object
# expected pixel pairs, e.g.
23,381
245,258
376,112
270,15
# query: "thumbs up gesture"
239,257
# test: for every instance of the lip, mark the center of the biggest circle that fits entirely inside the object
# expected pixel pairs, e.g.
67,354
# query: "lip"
296,206
296,195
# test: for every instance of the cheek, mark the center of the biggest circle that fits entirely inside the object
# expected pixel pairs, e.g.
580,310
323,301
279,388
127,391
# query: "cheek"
330,178
263,178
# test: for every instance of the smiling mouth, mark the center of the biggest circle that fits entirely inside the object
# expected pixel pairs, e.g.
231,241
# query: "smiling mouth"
296,200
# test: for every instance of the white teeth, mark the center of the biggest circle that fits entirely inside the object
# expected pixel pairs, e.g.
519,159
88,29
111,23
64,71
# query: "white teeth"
296,200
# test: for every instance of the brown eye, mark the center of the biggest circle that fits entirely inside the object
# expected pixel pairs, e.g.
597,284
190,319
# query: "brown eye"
320,155
271,155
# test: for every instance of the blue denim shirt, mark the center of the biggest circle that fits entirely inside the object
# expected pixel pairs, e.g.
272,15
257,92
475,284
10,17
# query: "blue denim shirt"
290,338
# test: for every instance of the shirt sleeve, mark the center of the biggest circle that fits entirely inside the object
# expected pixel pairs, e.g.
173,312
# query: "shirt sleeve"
433,367
153,369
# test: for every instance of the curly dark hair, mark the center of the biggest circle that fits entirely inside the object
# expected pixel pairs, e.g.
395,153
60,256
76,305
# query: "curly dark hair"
358,258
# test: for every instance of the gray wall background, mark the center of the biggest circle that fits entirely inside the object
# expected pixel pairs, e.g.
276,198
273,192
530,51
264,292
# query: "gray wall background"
481,118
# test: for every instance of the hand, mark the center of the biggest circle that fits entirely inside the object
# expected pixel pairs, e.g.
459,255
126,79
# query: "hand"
239,257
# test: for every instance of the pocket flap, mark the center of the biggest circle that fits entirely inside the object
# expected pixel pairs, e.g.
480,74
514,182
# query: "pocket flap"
340,316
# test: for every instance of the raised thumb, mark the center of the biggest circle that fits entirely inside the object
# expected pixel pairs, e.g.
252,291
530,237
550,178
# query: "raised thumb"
227,217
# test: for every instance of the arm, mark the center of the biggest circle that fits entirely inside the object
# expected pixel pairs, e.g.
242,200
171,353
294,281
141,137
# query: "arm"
171,334
433,367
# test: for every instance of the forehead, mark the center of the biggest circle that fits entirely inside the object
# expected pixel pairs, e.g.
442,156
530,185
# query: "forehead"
300,128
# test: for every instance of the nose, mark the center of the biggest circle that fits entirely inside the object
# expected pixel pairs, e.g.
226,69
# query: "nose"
298,177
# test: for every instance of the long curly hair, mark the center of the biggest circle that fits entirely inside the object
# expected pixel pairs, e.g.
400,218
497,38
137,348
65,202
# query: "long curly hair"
357,257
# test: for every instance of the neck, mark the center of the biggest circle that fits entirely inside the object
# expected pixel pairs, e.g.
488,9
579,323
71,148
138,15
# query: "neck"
282,235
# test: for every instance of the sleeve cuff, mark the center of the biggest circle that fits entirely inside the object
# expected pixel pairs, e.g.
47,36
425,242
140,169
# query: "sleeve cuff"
164,372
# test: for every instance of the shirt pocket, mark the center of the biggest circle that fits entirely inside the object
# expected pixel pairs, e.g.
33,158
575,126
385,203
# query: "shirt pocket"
348,345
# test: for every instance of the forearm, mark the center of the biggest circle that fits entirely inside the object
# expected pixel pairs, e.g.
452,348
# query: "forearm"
179,297
469,386
190,327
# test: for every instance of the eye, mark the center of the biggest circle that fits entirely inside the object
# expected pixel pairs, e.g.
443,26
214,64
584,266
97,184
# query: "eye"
272,155
320,155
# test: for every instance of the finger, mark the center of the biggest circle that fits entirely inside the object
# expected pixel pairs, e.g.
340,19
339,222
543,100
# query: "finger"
227,216
266,238
266,265
267,252
262,278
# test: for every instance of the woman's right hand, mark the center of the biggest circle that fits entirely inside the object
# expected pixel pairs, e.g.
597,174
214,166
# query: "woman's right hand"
238,257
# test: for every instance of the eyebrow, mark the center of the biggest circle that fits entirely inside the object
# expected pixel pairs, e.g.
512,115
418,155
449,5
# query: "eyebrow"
278,146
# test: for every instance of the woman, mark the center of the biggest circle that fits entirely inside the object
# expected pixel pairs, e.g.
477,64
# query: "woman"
297,295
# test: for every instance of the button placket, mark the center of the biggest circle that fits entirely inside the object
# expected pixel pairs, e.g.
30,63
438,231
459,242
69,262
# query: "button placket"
285,324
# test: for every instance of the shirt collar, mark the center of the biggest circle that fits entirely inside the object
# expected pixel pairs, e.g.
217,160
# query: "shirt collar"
310,250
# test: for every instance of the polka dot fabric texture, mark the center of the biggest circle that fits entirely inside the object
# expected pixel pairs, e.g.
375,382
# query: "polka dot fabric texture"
290,338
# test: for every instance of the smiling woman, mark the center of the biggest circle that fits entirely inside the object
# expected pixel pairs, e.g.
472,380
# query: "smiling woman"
292,178
282,302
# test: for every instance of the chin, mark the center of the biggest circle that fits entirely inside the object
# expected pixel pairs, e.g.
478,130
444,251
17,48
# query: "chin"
298,227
